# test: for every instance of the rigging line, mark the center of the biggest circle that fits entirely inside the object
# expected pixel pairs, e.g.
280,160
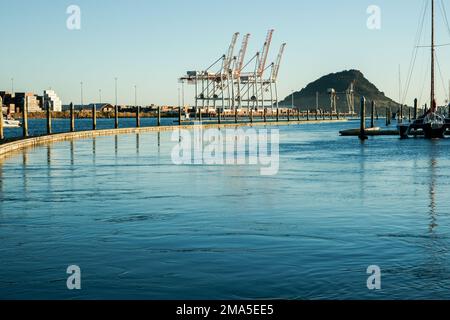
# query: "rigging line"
442,78
425,79
419,33
444,13
436,45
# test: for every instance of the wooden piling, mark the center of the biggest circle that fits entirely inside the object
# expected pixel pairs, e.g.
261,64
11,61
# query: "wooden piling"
387,117
278,114
362,132
372,117
94,117
49,115
251,115
2,135
400,118
323,114
25,118
219,115
317,114
415,109
307,115
138,117
265,115
298,114
116,117
158,121
72,117
235,115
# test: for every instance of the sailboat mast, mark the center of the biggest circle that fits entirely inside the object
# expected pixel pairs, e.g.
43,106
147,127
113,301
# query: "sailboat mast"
433,103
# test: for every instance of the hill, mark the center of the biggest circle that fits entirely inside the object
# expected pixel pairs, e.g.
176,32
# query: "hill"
341,81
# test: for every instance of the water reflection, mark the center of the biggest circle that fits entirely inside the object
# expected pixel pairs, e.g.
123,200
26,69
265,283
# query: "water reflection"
25,172
432,187
116,144
72,154
362,175
137,143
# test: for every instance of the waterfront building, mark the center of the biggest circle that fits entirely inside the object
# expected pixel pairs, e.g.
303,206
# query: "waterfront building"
52,98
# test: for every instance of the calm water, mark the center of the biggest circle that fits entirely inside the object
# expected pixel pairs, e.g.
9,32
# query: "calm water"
38,127
140,227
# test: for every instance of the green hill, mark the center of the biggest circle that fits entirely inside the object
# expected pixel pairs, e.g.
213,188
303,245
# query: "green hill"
341,81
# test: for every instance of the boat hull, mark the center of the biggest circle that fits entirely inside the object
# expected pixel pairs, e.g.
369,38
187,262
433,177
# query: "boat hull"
434,132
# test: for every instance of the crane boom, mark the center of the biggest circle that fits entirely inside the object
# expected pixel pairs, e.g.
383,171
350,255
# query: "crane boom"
265,53
241,57
229,57
276,67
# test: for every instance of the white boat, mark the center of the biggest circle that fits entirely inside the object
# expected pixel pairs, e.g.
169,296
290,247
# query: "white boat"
11,123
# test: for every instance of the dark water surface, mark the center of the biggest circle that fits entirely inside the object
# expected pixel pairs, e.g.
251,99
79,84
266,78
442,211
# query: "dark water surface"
141,227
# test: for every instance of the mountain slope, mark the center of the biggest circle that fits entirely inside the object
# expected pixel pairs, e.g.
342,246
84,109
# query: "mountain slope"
341,81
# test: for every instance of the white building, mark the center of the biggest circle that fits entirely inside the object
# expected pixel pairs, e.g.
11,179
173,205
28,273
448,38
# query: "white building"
55,102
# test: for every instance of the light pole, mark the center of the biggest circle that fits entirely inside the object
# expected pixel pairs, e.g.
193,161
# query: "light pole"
81,92
116,108
182,93
115,80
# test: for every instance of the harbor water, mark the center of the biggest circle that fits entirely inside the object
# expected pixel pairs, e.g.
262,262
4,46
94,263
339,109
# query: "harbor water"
140,227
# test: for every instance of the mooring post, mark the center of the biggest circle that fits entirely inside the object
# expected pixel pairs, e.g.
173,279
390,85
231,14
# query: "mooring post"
298,115
25,118
323,114
317,114
158,121
387,120
138,117
400,118
265,114
94,117
49,115
2,136
116,116
415,108
72,117
278,114
372,117
219,115
307,115
288,115
235,115
251,115
362,133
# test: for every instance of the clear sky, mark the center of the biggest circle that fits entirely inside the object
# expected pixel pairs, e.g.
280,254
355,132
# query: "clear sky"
151,43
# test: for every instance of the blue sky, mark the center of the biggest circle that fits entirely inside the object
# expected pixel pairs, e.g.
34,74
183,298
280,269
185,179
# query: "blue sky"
152,43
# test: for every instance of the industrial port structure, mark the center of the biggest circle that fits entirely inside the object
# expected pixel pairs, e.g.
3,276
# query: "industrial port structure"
232,83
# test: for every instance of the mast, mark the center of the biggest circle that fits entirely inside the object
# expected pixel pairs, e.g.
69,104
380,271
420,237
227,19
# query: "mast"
433,102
